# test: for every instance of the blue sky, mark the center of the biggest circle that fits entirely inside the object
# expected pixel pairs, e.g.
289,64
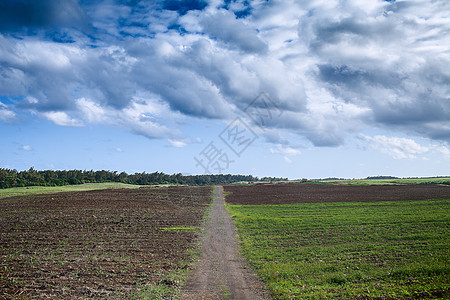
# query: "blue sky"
269,88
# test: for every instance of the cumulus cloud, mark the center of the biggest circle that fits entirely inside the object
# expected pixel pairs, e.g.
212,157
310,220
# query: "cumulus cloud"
388,57
331,67
62,119
224,26
7,115
144,116
398,148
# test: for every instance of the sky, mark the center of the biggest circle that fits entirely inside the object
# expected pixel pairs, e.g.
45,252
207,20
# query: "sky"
285,88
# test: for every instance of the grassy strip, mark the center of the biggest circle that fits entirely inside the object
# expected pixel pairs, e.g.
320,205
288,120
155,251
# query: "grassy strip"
34,190
438,180
349,250
179,228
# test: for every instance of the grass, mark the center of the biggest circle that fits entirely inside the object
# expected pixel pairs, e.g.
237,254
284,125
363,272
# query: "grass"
437,180
166,288
348,250
179,228
33,190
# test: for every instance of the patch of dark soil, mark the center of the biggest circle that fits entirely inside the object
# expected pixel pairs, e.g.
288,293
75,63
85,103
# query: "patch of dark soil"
100,243
314,193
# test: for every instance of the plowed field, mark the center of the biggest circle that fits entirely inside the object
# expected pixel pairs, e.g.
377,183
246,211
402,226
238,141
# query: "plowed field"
318,193
106,243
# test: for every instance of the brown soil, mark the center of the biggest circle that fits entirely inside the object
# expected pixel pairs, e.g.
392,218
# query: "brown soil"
96,244
221,272
312,193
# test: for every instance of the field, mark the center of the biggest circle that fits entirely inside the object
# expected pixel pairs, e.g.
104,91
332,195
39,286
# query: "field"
34,190
313,193
310,241
395,181
114,243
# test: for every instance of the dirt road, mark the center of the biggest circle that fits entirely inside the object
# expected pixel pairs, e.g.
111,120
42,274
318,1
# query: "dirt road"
221,273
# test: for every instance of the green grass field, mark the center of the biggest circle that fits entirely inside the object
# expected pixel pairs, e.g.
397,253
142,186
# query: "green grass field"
32,190
395,250
438,180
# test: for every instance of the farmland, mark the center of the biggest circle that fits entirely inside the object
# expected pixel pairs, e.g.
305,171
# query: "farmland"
345,242
313,193
394,181
113,243
33,190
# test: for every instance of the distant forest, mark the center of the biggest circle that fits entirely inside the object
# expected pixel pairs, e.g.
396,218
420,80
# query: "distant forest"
13,178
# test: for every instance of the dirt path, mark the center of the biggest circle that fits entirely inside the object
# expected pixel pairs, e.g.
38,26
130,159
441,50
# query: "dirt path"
221,273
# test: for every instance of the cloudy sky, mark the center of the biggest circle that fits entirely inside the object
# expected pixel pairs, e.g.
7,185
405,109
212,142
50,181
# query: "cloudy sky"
291,88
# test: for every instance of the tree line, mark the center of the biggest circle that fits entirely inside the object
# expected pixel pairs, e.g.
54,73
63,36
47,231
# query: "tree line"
32,177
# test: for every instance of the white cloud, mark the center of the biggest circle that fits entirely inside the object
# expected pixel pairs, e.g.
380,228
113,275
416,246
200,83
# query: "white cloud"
332,67
7,115
49,55
396,147
287,159
140,118
380,58
181,143
26,148
442,149
177,143
285,150
92,112
144,116
62,119
237,34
